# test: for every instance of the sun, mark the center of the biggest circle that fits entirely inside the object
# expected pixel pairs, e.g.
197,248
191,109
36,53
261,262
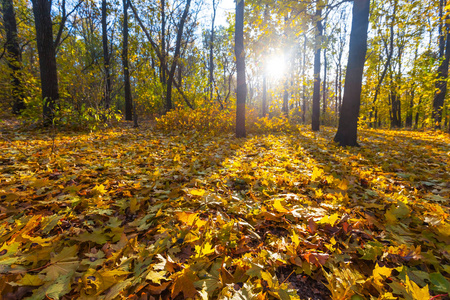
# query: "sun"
275,67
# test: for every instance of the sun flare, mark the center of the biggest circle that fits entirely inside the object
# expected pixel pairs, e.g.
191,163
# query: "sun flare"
275,67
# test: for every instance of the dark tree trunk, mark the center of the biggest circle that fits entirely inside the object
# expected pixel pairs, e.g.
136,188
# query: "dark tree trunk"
264,95
315,124
409,115
13,54
324,86
348,121
126,71
303,81
416,122
441,83
47,58
169,105
163,44
241,90
211,54
106,62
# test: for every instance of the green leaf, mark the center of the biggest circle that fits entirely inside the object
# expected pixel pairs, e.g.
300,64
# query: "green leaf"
439,283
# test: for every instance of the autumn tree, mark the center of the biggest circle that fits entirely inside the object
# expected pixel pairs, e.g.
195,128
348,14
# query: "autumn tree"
444,56
13,54
47,58
241,93
348,121
315,124
106,58
125,63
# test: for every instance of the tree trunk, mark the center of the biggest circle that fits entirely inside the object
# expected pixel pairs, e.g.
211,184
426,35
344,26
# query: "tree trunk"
324,86
441,83
163,44
315,124
348,121
169,105
241,90
388,62
211,54
303,82
106,62
126,71
264,95
13,54
47,58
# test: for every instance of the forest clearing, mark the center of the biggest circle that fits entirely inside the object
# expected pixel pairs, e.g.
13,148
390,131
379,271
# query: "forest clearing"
142,214
220,149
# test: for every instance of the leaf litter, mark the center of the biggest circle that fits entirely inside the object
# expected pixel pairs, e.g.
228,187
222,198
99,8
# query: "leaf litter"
139,214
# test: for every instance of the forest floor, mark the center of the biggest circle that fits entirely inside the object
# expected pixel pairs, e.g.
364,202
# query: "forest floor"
146,215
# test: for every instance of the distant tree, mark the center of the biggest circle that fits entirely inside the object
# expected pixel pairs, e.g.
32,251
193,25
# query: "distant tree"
176,56
348,121
126,71
47,59
13,54
241,93
315,124
106,60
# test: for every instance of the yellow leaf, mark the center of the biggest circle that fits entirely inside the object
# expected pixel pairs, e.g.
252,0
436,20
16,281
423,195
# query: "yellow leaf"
415,291
155,276
329,219
278,206
316,173
343,185
204,250
380,273
197,192
187,218
99,190
267,277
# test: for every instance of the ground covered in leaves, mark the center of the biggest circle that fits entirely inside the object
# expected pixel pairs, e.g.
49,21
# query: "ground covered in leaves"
140,214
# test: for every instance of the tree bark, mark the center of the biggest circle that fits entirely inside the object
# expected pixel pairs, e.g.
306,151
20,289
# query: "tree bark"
324,86
241,91
304,81
106,61
348,121
441,83
126,71
176,55
47,58
315,124
13,54
163,44
211,53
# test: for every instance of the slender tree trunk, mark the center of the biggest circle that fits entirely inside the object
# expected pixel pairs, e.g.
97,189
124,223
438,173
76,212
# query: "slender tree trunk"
106,62
304,81
348,121
315,124
416,123
126,71
388,61
47,58
13,54
324,86
409,115
211,54
264,95
441,83
169,105
163,44
241,90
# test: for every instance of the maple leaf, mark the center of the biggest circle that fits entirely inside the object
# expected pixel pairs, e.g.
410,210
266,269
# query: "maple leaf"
183,282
